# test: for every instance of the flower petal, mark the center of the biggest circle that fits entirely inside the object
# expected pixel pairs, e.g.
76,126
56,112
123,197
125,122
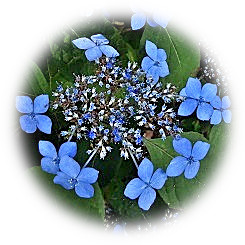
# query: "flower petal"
200,150
88,175
134,188
158,179
138,21
84,190
24,104
216,117
193,88
226,103
83,43
182,92
160,19
68,148
69,166
187,107
177,166
161,55
191,170
49,165
93,53
99,39
44,123
154,73
216,102
28,124
147,198
183,146
47,149
163,70
41,103
151,50
151,22
109,51
204,111
209,91
145,170
64,180
227,116
147,63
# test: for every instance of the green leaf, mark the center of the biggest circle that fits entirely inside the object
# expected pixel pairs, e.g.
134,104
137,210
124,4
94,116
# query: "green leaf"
93,206
183,56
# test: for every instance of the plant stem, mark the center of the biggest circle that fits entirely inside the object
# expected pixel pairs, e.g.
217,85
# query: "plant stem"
90,158
72,133
133,158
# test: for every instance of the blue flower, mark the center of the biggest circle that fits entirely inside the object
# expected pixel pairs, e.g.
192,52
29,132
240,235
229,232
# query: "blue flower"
197,97
50,161
143,187
221,110
189,162
34,118
155,64
96,47
71,176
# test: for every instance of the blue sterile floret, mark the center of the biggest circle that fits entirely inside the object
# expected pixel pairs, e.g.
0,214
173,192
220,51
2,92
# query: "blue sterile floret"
34,118
143,187
189,161
95,47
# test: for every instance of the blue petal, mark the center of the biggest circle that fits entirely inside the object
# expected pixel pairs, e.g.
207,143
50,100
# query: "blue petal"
216,102
109,51
177,166
151,22
69,166
191,170
160,20
145,170
154,73
49,165
151,50
209,91
44,123
99,39
200,150
88,175
138,21
24,104
147,198
64,180
226,103
47,149
182,92
158,179
163,70
147,63
187,107
28,124
204,111
216,117
193,88
83,43
227,116
134,188
161,55
68,148
183,146
84,190
41,103
93,53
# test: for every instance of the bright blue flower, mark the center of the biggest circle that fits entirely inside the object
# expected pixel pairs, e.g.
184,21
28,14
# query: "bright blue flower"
34,118
96,47
50,161
197,97
92,135
221,110
72,176
155,64
189,162
143,187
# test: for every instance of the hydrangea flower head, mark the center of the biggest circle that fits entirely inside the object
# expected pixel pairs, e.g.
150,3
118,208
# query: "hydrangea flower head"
155,64
95,47
189,161
34,118
197,97
50,161
71,176
221,110
143,187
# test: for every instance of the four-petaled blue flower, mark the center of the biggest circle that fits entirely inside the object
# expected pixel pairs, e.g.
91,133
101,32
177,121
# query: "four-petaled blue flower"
34,118
71,176
189,161
143,187
50,161
155,64
221,110
96,47
197,97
